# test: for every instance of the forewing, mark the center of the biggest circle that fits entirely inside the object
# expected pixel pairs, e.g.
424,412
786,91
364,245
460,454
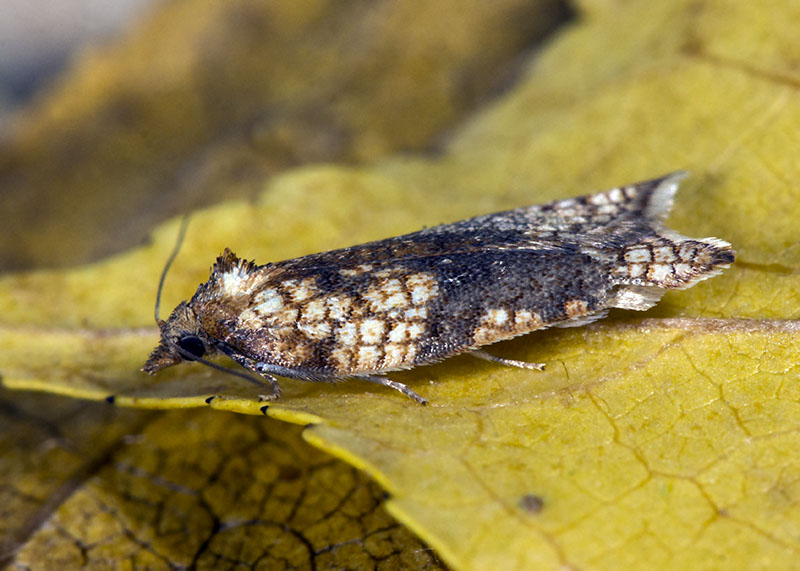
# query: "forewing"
342,319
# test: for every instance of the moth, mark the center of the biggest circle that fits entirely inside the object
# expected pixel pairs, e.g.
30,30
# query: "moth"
363,311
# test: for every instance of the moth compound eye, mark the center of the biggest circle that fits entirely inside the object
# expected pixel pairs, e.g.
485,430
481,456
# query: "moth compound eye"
191,346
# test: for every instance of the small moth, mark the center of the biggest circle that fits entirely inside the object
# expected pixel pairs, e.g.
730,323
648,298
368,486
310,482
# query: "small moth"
366,310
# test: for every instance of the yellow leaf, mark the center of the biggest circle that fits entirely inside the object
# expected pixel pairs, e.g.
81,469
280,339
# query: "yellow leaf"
665,440
205,100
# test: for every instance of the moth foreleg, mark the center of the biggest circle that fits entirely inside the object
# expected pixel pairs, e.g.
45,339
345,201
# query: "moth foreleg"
509,362
396,386
263,373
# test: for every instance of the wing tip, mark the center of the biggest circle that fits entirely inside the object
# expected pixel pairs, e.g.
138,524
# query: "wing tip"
658,202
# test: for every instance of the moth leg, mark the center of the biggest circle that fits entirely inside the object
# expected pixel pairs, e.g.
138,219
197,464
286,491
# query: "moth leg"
509,362
396,386
273,382
261,369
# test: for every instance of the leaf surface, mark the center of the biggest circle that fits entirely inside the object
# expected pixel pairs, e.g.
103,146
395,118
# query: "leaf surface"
665,439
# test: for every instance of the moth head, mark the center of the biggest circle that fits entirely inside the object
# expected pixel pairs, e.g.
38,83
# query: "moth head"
182,339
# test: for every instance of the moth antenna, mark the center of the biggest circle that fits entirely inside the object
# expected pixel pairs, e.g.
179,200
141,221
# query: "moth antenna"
189,357
172,256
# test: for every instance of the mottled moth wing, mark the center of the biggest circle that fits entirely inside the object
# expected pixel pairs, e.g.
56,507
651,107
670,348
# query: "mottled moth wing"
422,297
